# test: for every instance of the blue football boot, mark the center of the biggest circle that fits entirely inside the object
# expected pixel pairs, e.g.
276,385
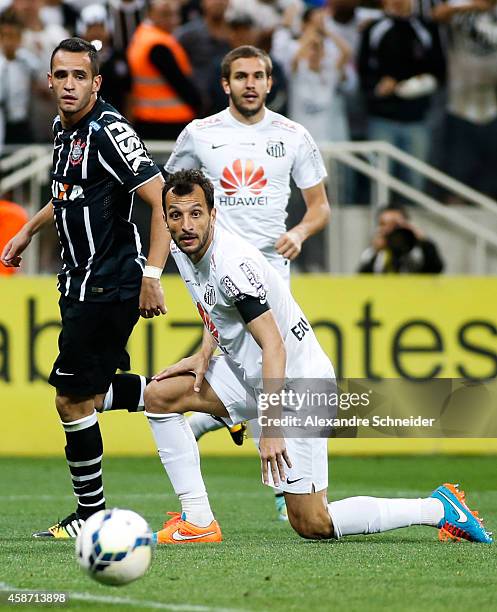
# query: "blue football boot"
459,522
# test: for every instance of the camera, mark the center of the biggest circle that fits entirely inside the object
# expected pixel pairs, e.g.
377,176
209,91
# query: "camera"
401,241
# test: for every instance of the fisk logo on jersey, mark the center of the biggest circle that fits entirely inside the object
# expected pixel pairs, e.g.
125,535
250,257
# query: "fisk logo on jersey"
243,184
128,144
64,191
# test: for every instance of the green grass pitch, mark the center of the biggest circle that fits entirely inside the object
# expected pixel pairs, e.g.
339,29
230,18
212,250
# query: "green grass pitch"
262,564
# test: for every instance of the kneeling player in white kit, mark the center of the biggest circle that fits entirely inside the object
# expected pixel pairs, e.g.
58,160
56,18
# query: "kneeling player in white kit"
249,153
250,314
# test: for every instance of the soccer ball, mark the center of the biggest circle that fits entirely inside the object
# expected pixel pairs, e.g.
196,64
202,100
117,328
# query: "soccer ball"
115,546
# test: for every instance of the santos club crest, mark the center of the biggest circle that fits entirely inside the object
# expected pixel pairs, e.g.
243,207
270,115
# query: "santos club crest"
275,148
210,295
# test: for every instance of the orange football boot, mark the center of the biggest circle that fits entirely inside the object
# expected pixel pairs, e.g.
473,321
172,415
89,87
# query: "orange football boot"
179,531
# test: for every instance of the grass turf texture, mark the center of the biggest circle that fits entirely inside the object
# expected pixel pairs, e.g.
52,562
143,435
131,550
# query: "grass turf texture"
262,564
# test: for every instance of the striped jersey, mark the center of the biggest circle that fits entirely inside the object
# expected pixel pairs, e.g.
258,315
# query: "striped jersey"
97,166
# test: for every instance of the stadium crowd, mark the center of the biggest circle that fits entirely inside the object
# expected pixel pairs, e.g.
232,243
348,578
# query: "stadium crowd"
421,74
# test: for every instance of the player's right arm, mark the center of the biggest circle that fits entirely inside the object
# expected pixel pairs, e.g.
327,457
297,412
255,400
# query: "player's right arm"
241,280
272,447
125,158
11,254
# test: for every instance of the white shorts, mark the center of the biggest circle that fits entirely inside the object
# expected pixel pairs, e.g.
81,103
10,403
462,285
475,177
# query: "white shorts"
308,456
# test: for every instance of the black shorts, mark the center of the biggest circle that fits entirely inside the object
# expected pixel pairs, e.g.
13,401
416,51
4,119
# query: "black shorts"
92,345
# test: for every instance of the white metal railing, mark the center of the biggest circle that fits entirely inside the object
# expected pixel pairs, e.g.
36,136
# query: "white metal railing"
352,154
30,165
385,150
482,235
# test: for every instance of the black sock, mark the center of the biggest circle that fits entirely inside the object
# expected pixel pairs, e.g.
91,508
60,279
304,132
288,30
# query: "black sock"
84,451
126,393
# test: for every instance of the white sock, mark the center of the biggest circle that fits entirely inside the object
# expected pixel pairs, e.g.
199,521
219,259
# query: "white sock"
203,423
109,396
356,515
178,452
141,401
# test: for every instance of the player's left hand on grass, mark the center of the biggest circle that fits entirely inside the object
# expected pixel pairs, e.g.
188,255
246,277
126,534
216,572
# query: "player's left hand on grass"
289,244
151,298
273,457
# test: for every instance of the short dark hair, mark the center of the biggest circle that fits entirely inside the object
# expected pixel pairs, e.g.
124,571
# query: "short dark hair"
10,18
183,183
394,207
245,51
78,45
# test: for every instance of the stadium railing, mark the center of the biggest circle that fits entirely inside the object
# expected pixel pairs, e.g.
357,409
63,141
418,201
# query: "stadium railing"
26,170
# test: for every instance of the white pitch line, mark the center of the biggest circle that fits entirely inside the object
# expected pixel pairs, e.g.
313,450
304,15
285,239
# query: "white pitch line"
332,493
26,497
124,601
162,496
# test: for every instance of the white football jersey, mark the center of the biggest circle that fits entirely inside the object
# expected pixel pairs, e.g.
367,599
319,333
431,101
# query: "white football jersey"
250,167
230,270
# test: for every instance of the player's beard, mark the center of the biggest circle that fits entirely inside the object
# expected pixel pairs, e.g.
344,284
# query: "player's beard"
247,112
202,242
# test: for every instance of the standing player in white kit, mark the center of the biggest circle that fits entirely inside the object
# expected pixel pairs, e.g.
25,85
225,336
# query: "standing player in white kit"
249,153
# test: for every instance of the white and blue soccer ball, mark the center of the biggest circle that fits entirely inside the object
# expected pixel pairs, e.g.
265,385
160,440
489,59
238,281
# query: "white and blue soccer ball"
115,546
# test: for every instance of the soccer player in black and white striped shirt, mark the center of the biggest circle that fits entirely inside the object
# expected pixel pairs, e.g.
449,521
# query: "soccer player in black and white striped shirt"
99,163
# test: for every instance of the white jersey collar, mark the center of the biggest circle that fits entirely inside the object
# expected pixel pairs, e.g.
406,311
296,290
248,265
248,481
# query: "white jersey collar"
262,123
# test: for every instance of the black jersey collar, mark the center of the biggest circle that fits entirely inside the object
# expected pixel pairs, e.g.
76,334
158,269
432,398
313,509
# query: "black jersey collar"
85,120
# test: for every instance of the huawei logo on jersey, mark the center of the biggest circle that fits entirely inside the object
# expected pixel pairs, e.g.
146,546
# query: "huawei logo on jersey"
243,178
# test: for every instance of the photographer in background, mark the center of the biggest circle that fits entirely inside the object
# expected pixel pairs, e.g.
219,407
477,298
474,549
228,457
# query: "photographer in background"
399,247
